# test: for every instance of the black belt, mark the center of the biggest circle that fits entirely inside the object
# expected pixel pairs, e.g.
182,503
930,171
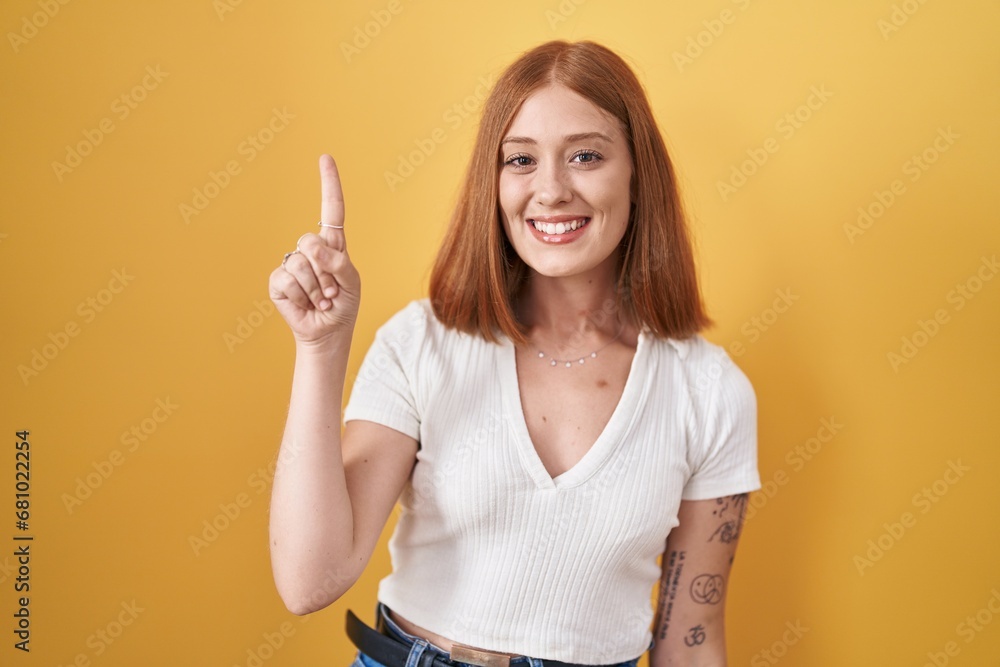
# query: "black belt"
394,653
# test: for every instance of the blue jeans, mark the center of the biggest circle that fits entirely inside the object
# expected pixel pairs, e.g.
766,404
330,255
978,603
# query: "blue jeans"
418,646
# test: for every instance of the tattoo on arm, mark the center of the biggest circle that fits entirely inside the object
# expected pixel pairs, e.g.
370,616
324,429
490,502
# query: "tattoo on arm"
705,588
708,589
668,589
731,510
695,636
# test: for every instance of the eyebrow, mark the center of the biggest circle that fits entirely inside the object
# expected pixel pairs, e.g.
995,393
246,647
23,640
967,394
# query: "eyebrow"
569,138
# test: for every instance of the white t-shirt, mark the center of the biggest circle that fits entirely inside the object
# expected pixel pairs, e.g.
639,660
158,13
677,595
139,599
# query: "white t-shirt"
489,550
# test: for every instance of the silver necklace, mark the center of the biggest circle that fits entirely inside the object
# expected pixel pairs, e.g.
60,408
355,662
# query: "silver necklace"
568,363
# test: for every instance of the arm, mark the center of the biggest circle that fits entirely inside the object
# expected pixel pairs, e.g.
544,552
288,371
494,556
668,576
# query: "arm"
689,626
331,494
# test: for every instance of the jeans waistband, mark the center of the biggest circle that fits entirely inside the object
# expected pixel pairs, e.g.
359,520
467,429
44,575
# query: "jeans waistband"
387,626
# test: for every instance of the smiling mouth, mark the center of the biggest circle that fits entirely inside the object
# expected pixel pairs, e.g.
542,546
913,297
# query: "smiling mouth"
557,228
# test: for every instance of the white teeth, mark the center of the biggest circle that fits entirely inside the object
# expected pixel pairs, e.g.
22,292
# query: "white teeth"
558,227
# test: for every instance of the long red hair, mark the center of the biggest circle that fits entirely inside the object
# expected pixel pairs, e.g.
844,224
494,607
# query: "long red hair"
478,277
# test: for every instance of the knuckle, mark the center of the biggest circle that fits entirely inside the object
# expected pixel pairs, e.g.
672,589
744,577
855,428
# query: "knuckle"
320,255
279,278
297,262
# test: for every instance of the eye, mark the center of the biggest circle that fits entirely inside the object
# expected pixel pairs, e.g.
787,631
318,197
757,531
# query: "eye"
519,160
588,157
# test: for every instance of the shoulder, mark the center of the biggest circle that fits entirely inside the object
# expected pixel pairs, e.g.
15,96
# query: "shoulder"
408,324
415,332
691,350
413,313
694,352
705,368
421,351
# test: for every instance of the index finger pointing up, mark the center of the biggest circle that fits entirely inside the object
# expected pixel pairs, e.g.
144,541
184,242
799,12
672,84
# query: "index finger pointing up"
332,211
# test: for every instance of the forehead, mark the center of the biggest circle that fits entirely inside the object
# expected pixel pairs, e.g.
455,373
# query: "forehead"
555,111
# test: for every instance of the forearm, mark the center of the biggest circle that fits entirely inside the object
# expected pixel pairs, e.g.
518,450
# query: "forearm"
686,641
679,660
311,520
712,653
697,563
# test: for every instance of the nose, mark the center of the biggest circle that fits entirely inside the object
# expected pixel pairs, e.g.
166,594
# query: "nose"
552,185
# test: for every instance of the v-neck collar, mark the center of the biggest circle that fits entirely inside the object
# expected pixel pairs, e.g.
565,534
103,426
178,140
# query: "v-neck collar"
607,442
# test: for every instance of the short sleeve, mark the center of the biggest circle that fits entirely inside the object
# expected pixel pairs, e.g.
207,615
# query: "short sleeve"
724,456
384,390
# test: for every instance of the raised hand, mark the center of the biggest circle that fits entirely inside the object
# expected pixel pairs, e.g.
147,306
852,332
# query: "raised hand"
317,289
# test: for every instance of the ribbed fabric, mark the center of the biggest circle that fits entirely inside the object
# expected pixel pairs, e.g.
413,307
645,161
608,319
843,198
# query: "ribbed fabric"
490,550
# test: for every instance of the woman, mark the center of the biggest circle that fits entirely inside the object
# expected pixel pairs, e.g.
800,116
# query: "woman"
549,419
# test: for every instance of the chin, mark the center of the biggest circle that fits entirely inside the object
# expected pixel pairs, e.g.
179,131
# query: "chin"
557,269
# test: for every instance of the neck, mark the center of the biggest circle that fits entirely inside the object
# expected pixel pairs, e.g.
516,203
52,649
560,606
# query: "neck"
573,313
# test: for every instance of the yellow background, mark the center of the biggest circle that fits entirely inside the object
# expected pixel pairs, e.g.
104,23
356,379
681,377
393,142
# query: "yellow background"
173,333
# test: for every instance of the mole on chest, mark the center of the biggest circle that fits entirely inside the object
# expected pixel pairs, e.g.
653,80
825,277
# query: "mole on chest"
565,419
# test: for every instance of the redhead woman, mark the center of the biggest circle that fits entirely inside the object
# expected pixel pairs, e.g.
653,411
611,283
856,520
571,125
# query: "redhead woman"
560,438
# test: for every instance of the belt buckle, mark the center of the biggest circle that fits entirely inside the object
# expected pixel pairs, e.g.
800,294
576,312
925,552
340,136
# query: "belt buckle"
478,656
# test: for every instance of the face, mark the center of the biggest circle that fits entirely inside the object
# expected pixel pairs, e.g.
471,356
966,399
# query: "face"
564,183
